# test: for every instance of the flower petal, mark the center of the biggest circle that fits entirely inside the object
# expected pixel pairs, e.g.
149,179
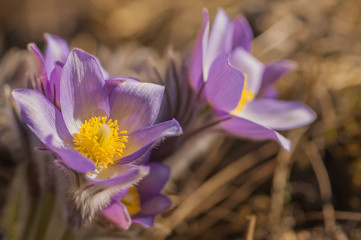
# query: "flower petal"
42,77
72,159
248,129
273,71
47,123
43,118
118,214
156,179
113,82
144,221
104,72
125,175
57,50
199,53
116,80
135,105
268,92
278,115
55,83
119,196
242,34
220,39
141,141
250,66
154,205
225,84
83,94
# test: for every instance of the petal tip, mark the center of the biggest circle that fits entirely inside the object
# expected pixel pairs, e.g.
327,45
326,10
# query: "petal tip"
205,12
16,93
220,11
177,127
46,35
32,47
287,145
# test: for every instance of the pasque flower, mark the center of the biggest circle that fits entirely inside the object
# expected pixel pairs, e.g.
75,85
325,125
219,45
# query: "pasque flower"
238,86
140,203
103,125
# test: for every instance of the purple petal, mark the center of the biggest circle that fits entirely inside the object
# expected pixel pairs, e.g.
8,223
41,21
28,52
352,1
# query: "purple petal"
113,82
140,141
273,71
154,205
42,117
119,196
135,105
220,39
199,54
120,79
268,92
156,179
104,72
37,54
242,34
250,66
247,129
124,175
55,83
42,77
118,214
57,50
47,123
143,159
72,158
144,221
278,115
224,86
83,94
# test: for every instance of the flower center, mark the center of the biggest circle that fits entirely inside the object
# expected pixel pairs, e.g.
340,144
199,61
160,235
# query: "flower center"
247,96
131,201
100,140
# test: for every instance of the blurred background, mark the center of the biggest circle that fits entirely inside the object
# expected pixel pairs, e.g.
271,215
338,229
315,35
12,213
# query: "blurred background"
311,192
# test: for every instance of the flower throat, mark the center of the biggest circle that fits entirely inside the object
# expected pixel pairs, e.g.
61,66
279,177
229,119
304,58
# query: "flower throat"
100,140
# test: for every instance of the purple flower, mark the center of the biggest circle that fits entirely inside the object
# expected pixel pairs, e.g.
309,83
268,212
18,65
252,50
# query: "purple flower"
103,125
238,86
141,203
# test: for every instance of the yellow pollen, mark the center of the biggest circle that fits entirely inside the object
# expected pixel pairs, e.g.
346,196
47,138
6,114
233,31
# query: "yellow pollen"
132,201
101,141
247,96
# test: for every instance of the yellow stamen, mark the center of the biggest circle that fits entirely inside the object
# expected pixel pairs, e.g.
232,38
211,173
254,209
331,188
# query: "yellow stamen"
101,141
132,201
247,96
